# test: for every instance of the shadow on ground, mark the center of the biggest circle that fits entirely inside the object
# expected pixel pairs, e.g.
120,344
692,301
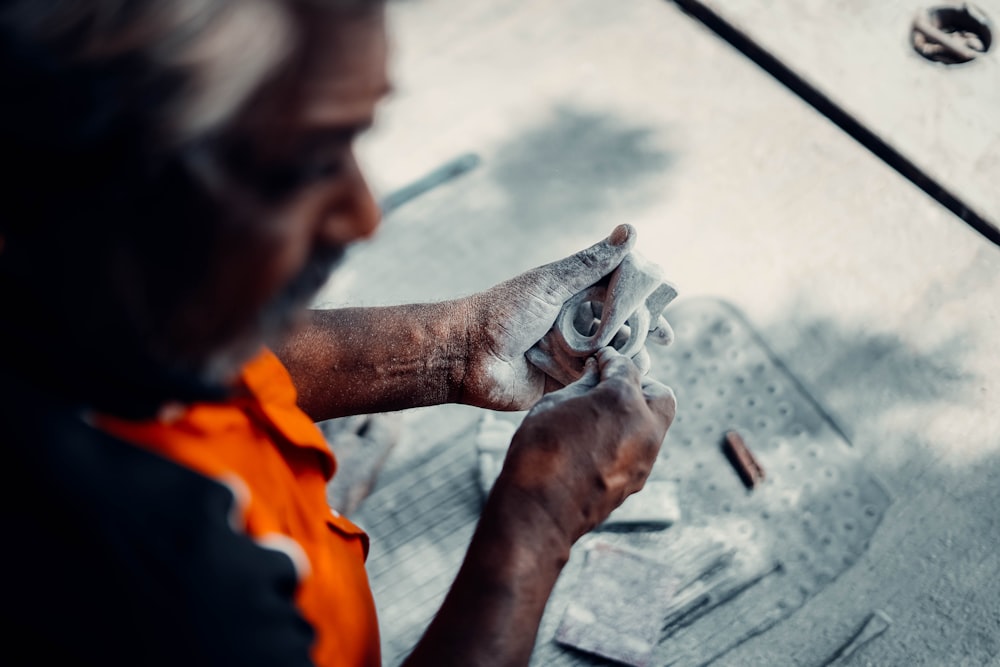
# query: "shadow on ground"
931,563
551,190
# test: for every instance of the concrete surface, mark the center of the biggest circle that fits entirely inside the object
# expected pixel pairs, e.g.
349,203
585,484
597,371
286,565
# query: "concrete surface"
946,119
590,113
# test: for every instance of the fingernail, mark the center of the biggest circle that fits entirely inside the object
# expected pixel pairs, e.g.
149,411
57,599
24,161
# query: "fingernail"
620,235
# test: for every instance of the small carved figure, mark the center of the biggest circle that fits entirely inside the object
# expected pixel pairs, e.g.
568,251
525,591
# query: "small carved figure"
624,313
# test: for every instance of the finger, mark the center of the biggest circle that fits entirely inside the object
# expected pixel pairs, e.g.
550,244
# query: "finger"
642,361
660,398
663,334
576,272
587,381
655,389
615,366
591,375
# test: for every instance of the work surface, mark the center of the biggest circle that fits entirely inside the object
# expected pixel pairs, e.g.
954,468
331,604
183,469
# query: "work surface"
881,303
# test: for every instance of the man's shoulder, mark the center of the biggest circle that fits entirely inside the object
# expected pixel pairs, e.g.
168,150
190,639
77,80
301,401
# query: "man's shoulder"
118,556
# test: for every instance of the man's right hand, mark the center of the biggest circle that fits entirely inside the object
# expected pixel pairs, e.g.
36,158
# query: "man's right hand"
579,453
583,449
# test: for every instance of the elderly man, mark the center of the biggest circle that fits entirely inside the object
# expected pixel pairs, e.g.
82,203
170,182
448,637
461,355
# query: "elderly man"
180,180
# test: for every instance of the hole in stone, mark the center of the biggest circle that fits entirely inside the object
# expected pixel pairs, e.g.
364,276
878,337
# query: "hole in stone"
585,322
848,526
951,34
726,507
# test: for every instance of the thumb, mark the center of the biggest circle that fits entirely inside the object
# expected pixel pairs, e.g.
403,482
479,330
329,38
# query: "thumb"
581,270
590,379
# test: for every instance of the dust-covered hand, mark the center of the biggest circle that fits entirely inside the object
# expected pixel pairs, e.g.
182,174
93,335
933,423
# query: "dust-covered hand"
578,454
505,321
584,448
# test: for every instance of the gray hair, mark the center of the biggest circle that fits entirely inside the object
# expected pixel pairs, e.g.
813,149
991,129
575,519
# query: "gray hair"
197,61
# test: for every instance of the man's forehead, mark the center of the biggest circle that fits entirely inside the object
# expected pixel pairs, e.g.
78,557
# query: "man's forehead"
330,92
344,73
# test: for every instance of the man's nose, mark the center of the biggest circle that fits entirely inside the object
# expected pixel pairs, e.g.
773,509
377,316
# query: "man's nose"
356,216
368,211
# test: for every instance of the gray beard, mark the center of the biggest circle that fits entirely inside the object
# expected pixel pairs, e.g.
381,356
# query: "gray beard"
276,319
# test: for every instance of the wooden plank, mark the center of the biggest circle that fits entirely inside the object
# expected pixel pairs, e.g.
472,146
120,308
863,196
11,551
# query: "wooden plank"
588,113
937,124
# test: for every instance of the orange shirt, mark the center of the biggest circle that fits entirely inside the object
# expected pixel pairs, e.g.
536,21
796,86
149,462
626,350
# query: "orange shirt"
277,462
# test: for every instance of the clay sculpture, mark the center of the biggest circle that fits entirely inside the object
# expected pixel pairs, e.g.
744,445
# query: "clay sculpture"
624,313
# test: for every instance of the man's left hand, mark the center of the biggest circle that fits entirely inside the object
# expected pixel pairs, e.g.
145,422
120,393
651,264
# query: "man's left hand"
506,320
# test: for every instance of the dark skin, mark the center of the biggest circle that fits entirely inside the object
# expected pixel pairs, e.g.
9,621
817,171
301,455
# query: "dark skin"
581,450
578,454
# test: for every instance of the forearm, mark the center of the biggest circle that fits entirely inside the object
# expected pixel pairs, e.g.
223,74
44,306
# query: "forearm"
359,360
491,614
